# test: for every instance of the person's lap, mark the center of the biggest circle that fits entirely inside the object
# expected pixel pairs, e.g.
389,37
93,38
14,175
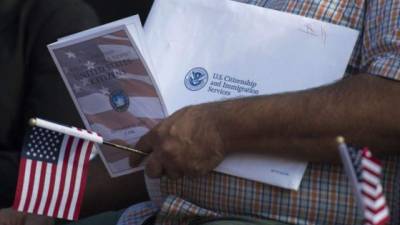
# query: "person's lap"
106,218
112,217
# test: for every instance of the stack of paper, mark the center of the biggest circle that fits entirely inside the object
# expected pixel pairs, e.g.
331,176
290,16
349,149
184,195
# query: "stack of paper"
124,80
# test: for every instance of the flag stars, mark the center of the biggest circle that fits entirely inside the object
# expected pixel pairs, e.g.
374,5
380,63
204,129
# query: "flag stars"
89,65
43,144
70,55
39,176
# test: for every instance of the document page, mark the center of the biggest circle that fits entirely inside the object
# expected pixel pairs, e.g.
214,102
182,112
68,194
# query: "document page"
207,50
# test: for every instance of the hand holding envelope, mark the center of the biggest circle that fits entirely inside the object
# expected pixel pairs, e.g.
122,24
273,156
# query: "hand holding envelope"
207,51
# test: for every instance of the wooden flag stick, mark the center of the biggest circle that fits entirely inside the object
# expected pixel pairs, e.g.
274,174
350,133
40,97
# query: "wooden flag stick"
86,135
340,140
351,173
125,148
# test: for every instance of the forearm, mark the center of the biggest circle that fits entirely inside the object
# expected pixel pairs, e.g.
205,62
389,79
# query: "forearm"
304,124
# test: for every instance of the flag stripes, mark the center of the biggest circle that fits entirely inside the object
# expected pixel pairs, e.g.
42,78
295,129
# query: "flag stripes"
376,210
365,173
53,187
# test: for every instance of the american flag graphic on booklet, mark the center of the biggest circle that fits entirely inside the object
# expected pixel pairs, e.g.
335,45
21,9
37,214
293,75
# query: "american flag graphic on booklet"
365,173
52,174
113,90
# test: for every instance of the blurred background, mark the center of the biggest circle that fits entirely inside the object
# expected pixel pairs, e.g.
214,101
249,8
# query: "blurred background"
112,10
30,86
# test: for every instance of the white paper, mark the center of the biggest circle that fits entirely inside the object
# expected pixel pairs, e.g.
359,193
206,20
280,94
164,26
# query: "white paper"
242,47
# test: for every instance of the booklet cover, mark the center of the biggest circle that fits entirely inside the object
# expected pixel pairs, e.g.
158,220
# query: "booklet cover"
111,85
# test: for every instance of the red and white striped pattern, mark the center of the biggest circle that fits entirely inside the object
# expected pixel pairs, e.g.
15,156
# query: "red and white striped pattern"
376,211
55,189
365,173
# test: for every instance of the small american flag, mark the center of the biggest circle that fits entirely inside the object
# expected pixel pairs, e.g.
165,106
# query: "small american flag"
52,174
365,173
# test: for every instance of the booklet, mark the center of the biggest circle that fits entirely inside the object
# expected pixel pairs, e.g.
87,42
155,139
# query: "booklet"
124,79
111,85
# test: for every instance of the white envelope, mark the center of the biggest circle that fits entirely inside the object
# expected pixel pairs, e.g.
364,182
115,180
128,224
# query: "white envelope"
207,50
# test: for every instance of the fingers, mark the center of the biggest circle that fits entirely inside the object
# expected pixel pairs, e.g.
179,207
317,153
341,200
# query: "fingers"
170,152
154,168
10,216
144,145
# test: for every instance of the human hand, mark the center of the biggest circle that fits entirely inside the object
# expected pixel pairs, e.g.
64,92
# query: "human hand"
186,143
10,216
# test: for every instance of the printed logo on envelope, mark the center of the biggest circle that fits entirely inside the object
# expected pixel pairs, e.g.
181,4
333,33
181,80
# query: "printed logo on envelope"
119,101
196,79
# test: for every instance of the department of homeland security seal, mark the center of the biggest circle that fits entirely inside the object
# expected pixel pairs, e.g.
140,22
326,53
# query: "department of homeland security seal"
119,101
196,79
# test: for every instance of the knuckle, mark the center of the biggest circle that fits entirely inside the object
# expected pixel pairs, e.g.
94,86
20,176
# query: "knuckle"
153,168
168,146
173,130
184,109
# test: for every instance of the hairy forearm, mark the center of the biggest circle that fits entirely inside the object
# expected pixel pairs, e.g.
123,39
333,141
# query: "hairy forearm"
304,124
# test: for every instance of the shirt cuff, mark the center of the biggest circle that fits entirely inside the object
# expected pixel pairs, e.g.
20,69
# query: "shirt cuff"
386,66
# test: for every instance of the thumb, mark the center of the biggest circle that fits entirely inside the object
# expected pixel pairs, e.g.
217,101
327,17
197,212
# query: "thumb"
144,145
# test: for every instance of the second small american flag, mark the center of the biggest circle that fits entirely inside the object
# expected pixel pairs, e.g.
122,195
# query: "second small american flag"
52,174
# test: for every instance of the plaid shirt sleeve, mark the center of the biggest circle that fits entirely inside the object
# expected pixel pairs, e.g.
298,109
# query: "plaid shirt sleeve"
138,213
381,38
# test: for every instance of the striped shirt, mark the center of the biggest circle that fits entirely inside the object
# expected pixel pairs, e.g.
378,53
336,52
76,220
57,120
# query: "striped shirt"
325,196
